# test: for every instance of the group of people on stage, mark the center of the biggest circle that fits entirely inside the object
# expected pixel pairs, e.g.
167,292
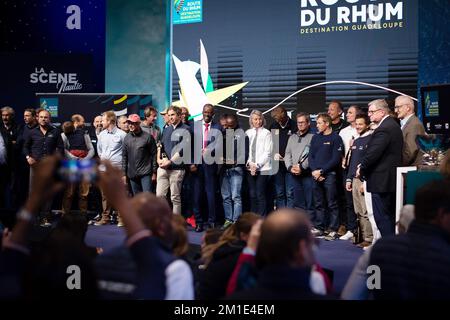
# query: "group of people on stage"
342,172
307,174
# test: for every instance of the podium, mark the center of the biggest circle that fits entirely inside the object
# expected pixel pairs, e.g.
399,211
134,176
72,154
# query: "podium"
412,178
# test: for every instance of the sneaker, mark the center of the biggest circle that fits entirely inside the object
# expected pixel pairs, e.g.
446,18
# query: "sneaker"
95,219
44,223
333,235
102,222
227,224
347,236
316,232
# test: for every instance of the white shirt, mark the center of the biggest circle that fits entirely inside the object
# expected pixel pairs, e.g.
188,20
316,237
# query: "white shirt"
109,146
405,120
179,281
379,123
263,148
347,134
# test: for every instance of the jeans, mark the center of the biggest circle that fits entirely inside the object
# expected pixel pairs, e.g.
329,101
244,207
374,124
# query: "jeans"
231,192
141,184
281,186
257,192
301,195
325,197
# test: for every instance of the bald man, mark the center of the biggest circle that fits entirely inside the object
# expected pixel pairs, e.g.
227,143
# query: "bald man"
285,258
411,128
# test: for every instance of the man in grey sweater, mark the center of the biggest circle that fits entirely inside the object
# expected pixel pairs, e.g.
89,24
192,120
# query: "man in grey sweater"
299,195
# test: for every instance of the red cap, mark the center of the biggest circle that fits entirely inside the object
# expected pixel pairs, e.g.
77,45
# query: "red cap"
134,118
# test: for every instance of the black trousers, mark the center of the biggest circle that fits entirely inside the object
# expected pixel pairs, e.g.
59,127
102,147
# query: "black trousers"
383,205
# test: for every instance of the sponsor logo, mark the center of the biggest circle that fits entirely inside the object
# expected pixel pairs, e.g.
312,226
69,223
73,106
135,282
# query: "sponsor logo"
64,82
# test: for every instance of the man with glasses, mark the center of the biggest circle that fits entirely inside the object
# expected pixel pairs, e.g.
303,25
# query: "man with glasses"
300,191
379,164
139,156
411,128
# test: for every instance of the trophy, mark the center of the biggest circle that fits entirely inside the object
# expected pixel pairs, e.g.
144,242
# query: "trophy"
434,147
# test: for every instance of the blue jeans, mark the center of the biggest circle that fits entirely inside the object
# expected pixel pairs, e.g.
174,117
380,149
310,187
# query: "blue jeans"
231,192
141,184
301,195
325,197
281,187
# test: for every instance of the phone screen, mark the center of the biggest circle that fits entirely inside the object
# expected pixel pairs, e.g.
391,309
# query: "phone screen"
74,171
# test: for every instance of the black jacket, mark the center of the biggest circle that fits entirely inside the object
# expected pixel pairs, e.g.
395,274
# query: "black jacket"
383,156
280,282
415,265
139,155
214,280
38,145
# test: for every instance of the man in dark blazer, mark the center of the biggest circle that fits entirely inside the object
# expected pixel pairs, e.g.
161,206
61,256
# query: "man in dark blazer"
204,169
379,165
411,128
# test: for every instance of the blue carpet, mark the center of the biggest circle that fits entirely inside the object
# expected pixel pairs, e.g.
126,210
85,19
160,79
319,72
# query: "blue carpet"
338,256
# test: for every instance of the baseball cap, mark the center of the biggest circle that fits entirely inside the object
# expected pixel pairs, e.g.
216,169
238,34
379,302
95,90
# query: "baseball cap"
133,118
163,112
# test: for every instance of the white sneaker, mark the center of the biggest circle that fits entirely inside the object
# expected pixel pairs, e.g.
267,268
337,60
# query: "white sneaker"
347,236
333,235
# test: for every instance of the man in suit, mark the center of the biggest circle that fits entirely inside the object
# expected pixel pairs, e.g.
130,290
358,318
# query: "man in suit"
379,165
204,171
411,128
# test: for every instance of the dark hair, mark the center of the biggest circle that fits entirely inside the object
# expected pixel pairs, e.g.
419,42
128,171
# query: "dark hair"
175,109
243,225
363,116
30,110
304,114
430,198
278,244
278,110
208,105
357,109
180,243
148,111
68,127
76,118
339,104
232,117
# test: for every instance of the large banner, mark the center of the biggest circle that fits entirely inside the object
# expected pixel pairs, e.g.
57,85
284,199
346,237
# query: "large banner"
63,106
314,50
